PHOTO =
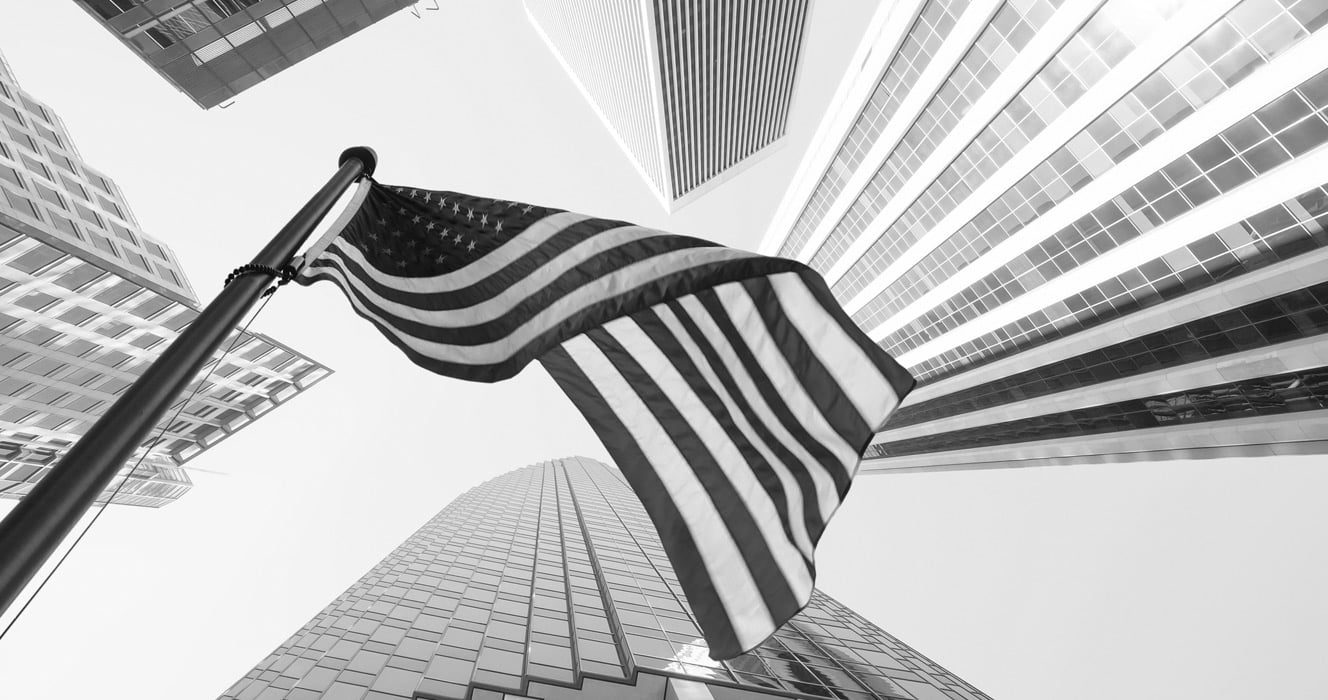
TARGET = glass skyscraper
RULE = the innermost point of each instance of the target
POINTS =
(1095, 231)
(549, 582)
(692, 92)
(214, 49)
(87, 301)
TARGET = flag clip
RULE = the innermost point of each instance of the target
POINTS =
(283, 275)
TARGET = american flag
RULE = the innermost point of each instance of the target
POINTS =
(730, 388)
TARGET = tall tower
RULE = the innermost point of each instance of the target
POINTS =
(692, 92)
(549, 582)
(1094, 230)
(215, 49)
(87, 301)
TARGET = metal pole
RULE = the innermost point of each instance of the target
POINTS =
(35, 527)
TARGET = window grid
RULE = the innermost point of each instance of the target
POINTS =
(1292, 392)
(1287, 128)
(553, 576)
(992, 53)
(1225, 54)
(1299, 314)
(1281, 232)
(924, 38)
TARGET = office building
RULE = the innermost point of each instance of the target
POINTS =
(87, 301)
(1094, 230)
(212, 50)
(550, 583)
(692, 92)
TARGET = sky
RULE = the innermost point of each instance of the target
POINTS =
(1199, 579)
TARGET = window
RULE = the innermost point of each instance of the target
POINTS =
(12, 113)
(22, 205)
(35, 166)
(66, 226)
(50, 195)
(110, 207)
(62, 161)
(73, 187)
(22, 138)
(104, 243)
(87, 214)
(10, 175)
(49, 134)
(123, 233)
(35, 108)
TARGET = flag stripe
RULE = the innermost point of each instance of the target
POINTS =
(724, 562)
(532, 272)
(782, 388)
(900, 380)
(822, 387)
(759, 492)
(684, 554)
(755, 445)
(853, 370)
(707, 333)
(735, 512)
(541, 309)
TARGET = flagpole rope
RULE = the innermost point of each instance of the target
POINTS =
(267, 296)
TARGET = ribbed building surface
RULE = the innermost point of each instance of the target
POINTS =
(1094, 229)
(690, 89)
(550, 583)
(214, 49)
(87, 301)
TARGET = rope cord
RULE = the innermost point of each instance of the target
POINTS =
(267, 296)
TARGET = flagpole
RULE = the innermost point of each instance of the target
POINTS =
(39, 523)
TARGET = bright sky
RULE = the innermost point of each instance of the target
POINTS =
(1172, 580)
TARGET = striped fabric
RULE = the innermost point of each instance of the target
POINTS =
(731, 389)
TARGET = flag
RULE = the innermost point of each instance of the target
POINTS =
(733, 392)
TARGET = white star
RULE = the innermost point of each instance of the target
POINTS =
(373, 236)
(396, 234)
(401, 263)
(498, 227)
(446, 232)
(457, 240)
(382, 222)
(413, 193)
(398, 190)
(430, 226)
(470, 214)
(428, 196)
(402, 210)
(526, 209)
(415, 220)
(471, 246)
(484, 220)
(511, 204)
(440, 258)
(455, 207)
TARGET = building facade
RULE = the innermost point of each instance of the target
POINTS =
(212, 50)
(87, 301)
(691, 92)
(550, 583)
(1095, 230)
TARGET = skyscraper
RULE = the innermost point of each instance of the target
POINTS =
(212, 50)
(87, 300)
(549, 582)
(691, 92)
(1094, 230)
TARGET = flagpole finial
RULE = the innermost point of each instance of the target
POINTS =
(364, 154)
